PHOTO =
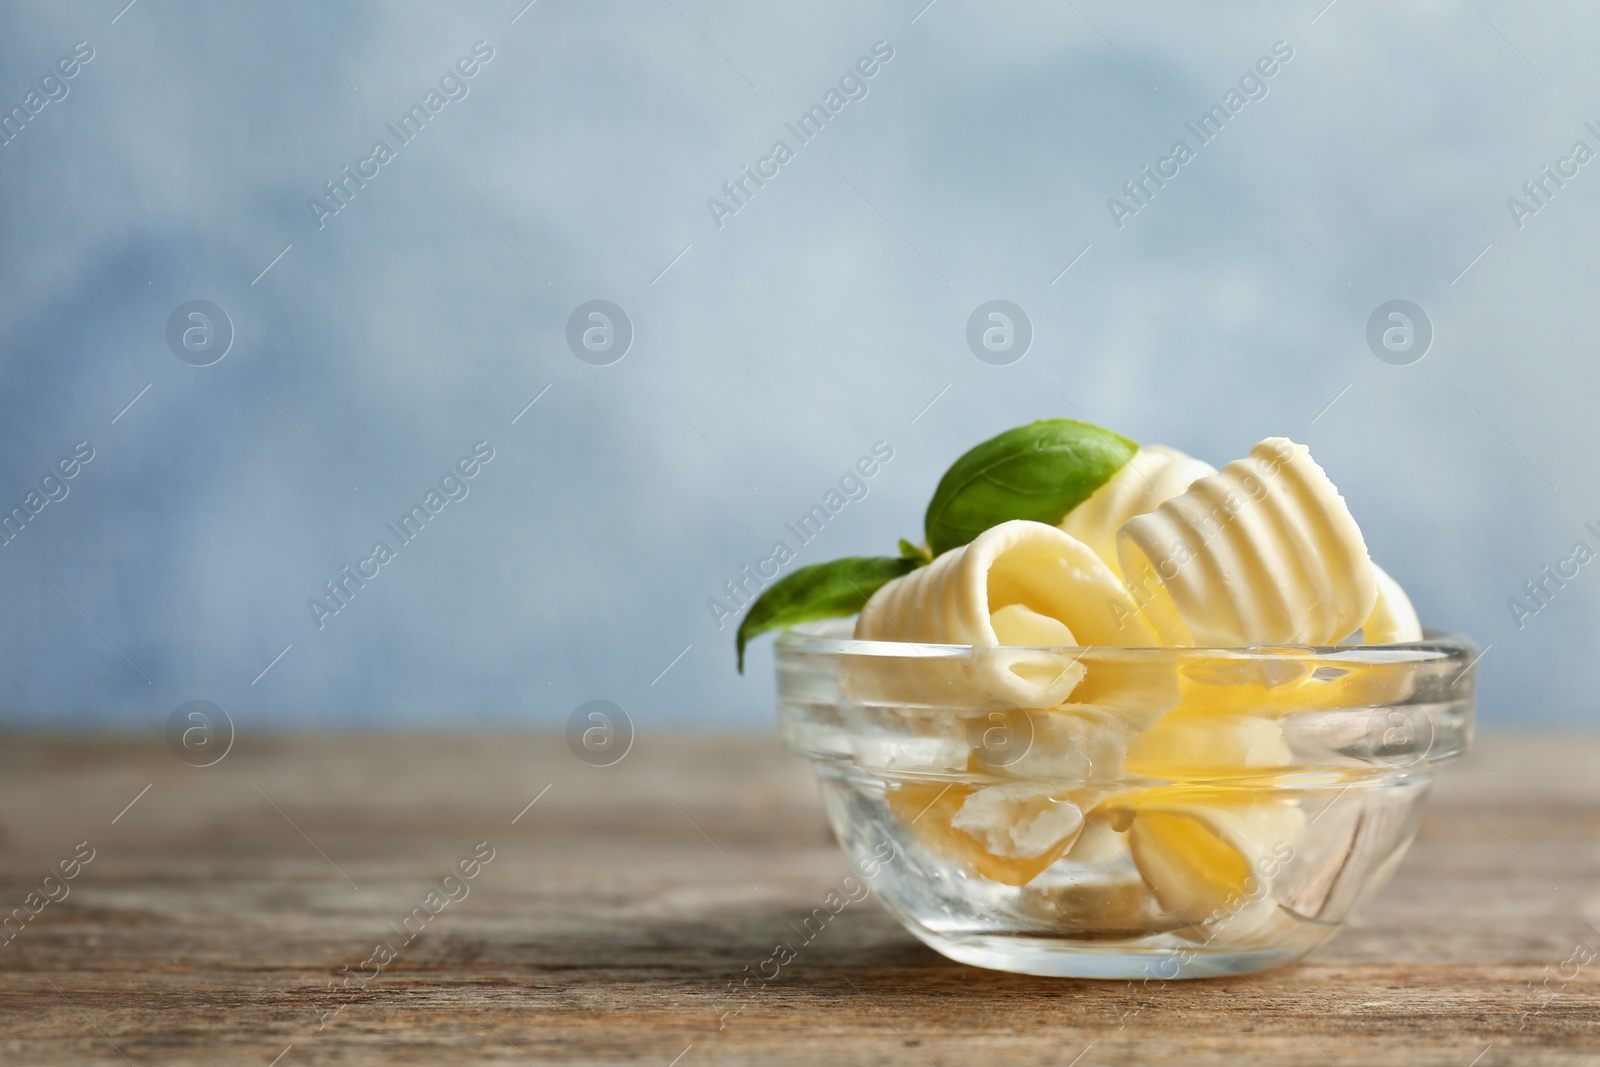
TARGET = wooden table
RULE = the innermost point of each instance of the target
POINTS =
(219, 912)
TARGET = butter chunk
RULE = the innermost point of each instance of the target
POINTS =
(1153, 476)
(1196, 740)
(1039, 583)
(928, 810)
(1393, 618)
(1207, 855)
(1018, 624)
(1019, 821)
(1264, 552)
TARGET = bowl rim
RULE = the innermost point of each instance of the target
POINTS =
(815, 638)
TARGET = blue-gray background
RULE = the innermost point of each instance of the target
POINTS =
(821, 318)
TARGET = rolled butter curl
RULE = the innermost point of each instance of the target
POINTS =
(1264, 552)
(1153, 476)
(1032, 580)
(1393, 619)
(1207, 854)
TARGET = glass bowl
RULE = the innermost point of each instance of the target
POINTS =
(1188, 812)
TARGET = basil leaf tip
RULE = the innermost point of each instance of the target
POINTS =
(918, 554)
(831, 590)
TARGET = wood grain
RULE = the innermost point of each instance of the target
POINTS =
(219, 909)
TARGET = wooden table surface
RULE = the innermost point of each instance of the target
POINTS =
(230, 915)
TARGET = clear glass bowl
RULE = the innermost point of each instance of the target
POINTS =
(1187, 813)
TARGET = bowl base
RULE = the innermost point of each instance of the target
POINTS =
(1156, 960)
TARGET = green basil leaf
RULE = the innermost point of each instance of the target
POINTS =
(1040, 471)
(821, 591)
(916, 553)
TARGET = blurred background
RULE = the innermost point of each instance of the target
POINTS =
(258, 341)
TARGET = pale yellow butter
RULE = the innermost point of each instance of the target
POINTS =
(1264, 552)
(1153, 476)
